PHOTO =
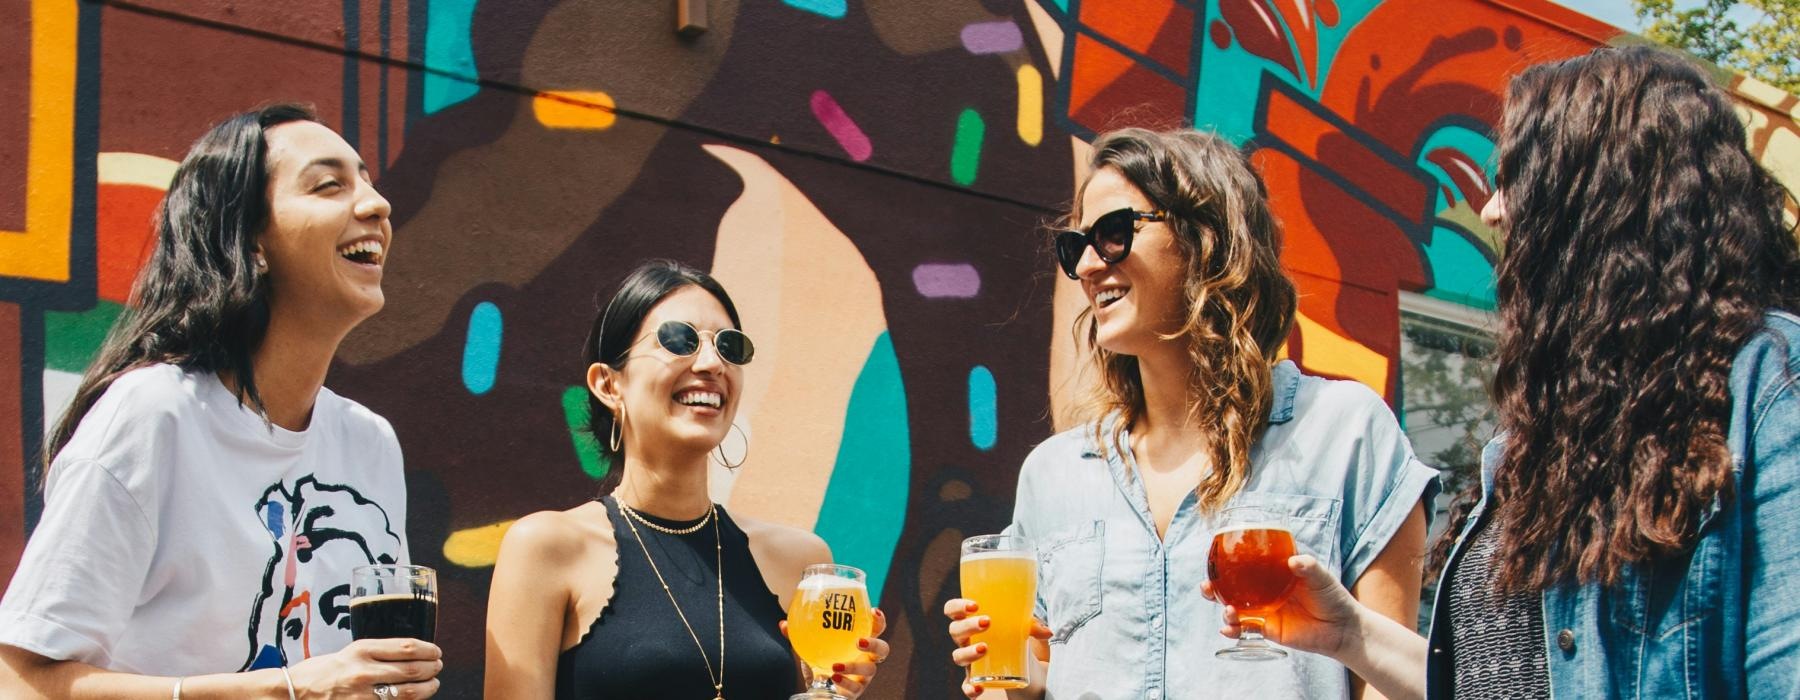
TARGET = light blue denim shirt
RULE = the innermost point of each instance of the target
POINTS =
(1125, 605)
(1720, 622)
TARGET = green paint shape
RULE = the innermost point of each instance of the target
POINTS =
(965, 158)
(450, 53)
(71, 339)
(587, 447)
(865, 502)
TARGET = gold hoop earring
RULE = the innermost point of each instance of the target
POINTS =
(720, 450)
(615, 436)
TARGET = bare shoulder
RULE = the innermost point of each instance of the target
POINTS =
(555, 537)
(789, 541)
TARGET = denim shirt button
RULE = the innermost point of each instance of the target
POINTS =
(1565, 640)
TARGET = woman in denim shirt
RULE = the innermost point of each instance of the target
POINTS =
(1188, 305)
(1635, 534)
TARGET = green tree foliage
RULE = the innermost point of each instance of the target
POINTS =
(1767, 47)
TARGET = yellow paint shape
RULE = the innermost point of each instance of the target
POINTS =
(570, 109)
(814, 307)
(1328, 352)
(41, 251)
(1050, 34)
(139, 169)
(476, 547)
(1765, 94)
(1031, 105)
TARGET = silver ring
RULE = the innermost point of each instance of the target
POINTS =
(383, 690)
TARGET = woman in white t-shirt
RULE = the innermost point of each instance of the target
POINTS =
(206, 496)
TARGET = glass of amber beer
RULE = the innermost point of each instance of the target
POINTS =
(1248, 567)
(999, 573)
(828, 615)
(393, 601)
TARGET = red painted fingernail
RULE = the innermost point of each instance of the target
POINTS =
(837, 667)
(973, 607)
(982, 647)
(985, 622)
(837, 677)
(862, 643)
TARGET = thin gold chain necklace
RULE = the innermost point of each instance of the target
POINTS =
(718, 681)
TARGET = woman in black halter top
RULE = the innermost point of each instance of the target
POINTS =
(650, 590)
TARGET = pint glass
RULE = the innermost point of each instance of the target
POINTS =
(827, 616)
(999, 573)
(393, 601)
(1249, 571)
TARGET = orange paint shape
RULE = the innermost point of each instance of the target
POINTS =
(1158, 29)
(571, 109)
(41, 251)
(124, 236)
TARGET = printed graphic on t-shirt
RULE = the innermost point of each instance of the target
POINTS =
(319, 531)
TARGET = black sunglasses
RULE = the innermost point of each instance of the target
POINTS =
(1110, 237)
(683, 340)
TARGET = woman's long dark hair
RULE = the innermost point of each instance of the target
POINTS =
(1643, 245)
(620, 321)
(199, 303)
(1239, 304)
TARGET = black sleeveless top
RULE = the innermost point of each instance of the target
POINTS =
(638, 647)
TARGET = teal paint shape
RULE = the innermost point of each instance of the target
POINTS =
(865, 502)
(965, 156)
(587, 447)
(829, 8)
(72, 339)
(481, 348)
(1230, 79)
(984, 425)
(1459, 272)
(449, 54)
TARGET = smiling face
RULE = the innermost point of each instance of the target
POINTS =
(1140, 297)
(674, 402)
(328, 232)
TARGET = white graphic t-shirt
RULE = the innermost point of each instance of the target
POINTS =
(183, 535)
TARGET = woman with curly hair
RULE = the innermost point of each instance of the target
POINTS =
(1635, 533)
(1178, 258)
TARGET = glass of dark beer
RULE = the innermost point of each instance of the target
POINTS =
(1248, 567)
(393, 601)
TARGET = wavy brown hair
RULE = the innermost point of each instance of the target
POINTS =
(1643, 245)
(1239, 303)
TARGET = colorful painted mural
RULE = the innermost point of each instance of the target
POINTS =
(868, 177)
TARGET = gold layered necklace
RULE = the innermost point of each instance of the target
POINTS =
(632, 519)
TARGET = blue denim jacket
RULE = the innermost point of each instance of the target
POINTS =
(1721, 622)
(1125, 605)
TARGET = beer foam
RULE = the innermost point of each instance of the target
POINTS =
(1254, 526)
(365, 600)
(829, 582)
(979, 556)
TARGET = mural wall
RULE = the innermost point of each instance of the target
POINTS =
(868, 177)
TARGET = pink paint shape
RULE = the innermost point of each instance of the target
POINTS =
(947, 280)
(841, 127)
(992, 37)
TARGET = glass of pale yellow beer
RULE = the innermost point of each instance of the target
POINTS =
(828, 615)
(999, 573)
(1249, 571)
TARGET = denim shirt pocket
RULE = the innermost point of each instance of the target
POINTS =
(1069, 569)
(1312, 519)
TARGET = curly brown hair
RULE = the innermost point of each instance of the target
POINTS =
(1644, 244)
(1239, 303)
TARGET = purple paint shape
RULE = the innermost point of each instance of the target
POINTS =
(992, 37)
(947, 280)
(841, 127)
